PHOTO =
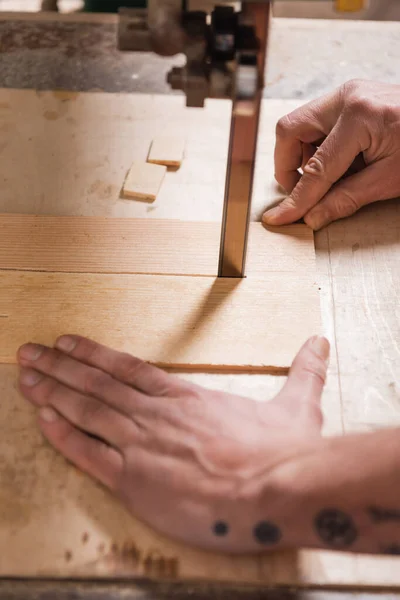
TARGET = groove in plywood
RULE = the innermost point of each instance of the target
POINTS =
(117, 245)
(166, 320)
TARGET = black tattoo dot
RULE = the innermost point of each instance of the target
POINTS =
(267, 533)
(335, 528)
(220, 528)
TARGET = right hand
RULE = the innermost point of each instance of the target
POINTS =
(353, 131)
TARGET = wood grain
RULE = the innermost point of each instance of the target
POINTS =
(167, 151)
(176, 321)
(143, 181)
(115, 245)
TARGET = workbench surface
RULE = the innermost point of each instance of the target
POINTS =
(357, 259)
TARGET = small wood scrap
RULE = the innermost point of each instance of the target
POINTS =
(167, 151)
(143, 181)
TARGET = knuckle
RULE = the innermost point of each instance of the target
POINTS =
(358, 101)
(352, 85)
(315, 166)
(313, 367)
(316, 370)
(95, 381)
(291, 202)
(128, 367)
(345, 203)
(315, 413)
(359, 105)
(283, 126)
(48, 391)
(86, 348)
(90, 411)
(53, 360)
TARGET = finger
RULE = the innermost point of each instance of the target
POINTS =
(87, 413)
(308, 372)
(378, 181)
(305, 125)
(330, 162)
(81, 377)
(122, 366)
(90, 455)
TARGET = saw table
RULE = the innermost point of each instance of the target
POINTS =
(357, 261)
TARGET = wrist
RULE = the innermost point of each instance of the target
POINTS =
(346, 493)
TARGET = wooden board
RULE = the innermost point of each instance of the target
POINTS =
(104, 245)
(143, 181)
(167, 151)
(68, 172)
(176, 321)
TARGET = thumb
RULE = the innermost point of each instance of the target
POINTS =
(306, 380)
(378, 181)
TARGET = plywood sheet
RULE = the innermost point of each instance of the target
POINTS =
(115, 245)
(176, 321)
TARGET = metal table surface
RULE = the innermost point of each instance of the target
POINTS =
(78, 52)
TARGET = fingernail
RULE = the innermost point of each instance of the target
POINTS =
(270, 215)
(30, 351)
(65, 343)
(29, 377)
(48, 414)
(320, 345)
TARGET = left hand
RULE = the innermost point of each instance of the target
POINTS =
(199, 465)
(348, 146)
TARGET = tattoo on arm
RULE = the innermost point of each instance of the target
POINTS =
(264, 532)
(383, 515)
(267, 533)
(335, 528)
(220, 528)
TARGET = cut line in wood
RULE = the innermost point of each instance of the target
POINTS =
(165, 247)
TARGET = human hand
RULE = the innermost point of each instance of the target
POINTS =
(199, 465)
(354, 131)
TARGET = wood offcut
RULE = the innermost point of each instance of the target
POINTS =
(143, 181)
(167, 151)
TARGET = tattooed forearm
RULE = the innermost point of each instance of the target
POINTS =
(335, 528)
(382, 515)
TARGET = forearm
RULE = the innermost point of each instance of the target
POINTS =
(346, 494)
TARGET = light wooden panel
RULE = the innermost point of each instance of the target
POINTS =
(167, 151)
(115, 245)
(143, 181)
(177, 321)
